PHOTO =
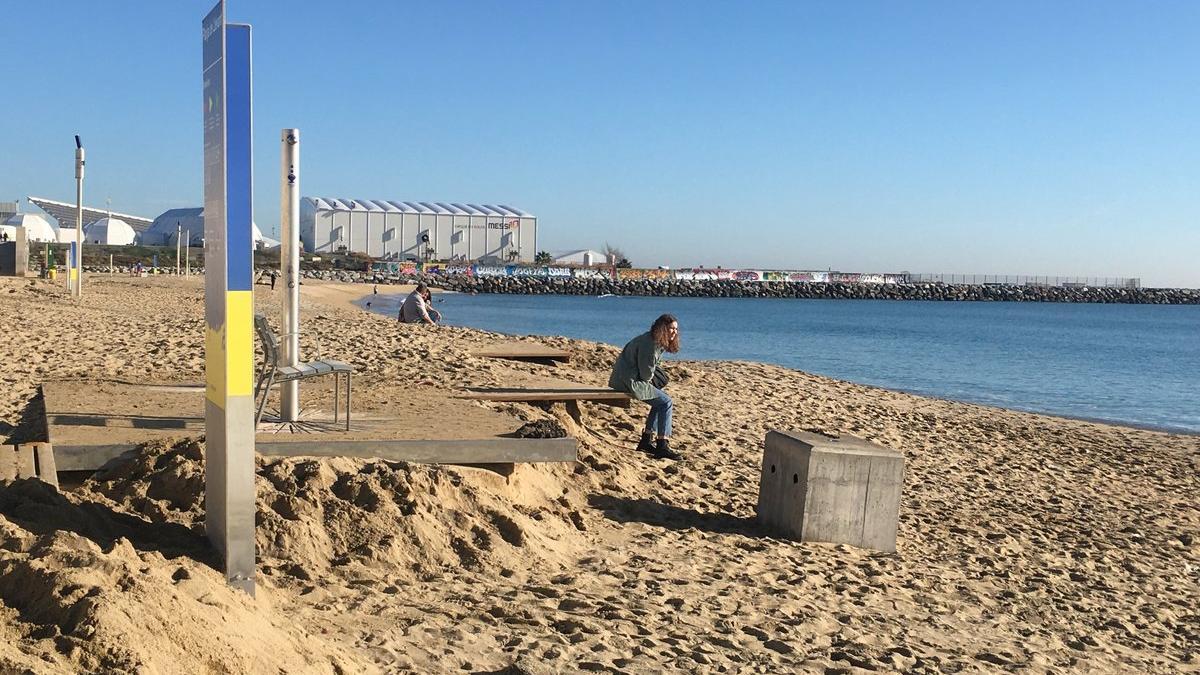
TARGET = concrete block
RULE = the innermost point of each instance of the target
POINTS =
(841, 490)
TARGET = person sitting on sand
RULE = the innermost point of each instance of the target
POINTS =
(634, 374)
(417, 307)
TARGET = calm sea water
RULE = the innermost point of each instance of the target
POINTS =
(1134, 364)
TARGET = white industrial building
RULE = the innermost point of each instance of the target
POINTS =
(418, 230)
(586, 257)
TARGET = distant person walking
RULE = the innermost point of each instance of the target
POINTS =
(416, 308)
(637, 372)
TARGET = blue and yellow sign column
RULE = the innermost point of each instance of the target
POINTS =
(71, 272)
(228, 297)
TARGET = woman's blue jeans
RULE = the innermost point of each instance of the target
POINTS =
(659, 420)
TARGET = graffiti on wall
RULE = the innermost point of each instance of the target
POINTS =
(392, 268)
(633, 274)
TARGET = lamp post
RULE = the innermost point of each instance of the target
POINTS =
(178, 232)
(77, 287)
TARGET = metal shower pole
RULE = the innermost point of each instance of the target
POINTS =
(289, 261)
(77, 287)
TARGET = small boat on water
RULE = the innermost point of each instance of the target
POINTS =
(608, 295)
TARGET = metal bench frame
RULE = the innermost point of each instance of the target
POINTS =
(273, 371)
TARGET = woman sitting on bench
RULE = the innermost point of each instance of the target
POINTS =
(637, 372)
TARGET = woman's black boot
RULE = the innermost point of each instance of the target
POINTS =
(647, 442)
(663, 450)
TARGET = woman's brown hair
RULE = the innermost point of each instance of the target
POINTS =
(659, 329)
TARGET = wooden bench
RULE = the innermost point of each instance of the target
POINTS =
(274, 371)
(569, 396)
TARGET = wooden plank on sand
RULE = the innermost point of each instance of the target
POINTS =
(548, 395)
(47, 469)
(8, 462)
(25, 464)
(523, 351)
(473, 451)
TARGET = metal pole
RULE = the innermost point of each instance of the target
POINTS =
(110, 261)
(187, 250)
(178, 232)
(77, 289)
(289, 261)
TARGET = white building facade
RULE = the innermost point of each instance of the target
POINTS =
(418, 230)
(586, 257)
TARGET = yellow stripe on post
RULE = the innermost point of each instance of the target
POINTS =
(239, 343)
(214, 366)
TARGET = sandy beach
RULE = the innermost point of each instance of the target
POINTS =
(1026, 542)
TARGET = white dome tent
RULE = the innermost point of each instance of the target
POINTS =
(109, 231)
(36, 227)
(167, 227)
(169, 224)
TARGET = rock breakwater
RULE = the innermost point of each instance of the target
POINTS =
(839, 291)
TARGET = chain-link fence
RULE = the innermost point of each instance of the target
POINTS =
(1025, 280)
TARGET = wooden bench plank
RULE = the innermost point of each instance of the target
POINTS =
(8, 462)
(43, 455)
(473, 451)
(25, 464)
(523, 351)
(548, 395)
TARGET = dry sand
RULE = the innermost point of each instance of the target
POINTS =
(1026, 541)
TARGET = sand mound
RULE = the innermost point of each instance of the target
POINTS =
(392, 518)
(119, 575)
(94, 592)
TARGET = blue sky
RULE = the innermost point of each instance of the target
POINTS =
(977, 137)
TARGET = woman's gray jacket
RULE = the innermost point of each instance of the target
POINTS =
(635, 367)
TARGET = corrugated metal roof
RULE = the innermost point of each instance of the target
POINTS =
(64, 213)
(425, 208)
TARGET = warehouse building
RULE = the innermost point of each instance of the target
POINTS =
(418, 230)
